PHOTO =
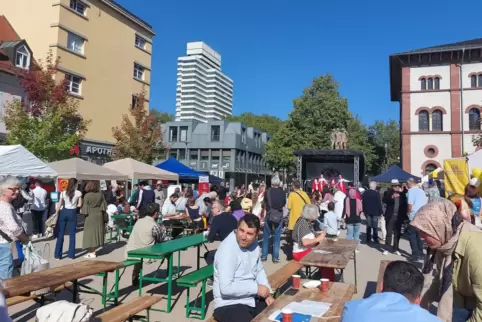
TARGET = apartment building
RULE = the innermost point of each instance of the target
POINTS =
(105, 54)
(230, 150)
(439, 90)
(203, 92)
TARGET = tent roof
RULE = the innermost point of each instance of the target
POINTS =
(173, 165)
(137, 170)
(84, 170)
(17, 161)
(394, 172)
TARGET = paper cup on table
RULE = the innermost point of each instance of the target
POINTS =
(286, 315)
(296, 281)
(325, 283)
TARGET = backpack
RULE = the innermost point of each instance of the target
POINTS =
(274, 216)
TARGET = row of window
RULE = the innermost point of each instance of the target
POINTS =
(429, 83)
(173, 133)
(476, 81)
(80, 7)
(437, 120)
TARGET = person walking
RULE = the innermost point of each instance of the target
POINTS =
(70, 200)
(146, 196)
(352, 212)
(10, 225)
(395, 215)
(159, 195)
(275, 203)
(372, 208)
(416, 200)
(94, 209)
(38, 208)
(297, 199)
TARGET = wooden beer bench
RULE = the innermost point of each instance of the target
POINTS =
(129, 310)
(37, 298)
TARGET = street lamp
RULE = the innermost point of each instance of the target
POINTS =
(246, 167)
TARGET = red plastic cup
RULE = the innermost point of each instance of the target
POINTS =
(286, 315)
(296, 281)
(325, 285)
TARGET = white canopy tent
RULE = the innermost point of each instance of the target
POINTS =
(137, 170)
(84, 170)
(17, 161)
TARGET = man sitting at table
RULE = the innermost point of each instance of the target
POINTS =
(399, 301)
(241, 289)
(146, 232)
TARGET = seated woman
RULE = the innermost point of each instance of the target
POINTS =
(304, 238)
(192, 210)
(456, 283)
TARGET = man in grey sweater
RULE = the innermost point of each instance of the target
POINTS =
(241, 288)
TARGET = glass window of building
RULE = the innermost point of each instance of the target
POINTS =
(215, 133)
(173, 133)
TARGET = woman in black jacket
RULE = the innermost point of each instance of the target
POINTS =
(395, 215)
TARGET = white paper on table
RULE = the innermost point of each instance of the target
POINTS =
(316, 311)
(321, 251)
(273, 316)
(322, 306)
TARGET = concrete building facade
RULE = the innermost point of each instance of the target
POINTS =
(203, 91)
(105, 53)
(230, 150)
(439, 90)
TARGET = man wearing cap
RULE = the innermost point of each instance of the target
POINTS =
(395, 215)
(416, 200)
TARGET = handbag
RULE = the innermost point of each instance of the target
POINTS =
(34, 262)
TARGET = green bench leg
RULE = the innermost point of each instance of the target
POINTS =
(195, 308)
(188, 308)
(203, 300)
(104, 290)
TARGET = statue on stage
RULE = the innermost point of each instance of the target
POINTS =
(339, 139)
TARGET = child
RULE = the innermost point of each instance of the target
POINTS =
(331, 221)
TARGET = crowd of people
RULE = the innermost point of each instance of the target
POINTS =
(449, 228)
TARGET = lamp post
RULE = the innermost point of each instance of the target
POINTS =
(246, 167)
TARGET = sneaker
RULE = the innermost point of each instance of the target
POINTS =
(386, 253)
(90, 255)
(398, 253)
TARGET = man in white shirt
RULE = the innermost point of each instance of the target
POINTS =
(339, 200)
(38, 208)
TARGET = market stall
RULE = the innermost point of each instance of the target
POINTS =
(136, 170)
(15, 160)
(85, 170)
(394, 172)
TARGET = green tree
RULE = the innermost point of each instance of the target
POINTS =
(139, 136)
(161, 117)
(385, 138)
(315, 115)
(358, 139)
(266, 123)
(47, 122)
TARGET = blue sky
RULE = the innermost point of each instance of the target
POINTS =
(273, 49)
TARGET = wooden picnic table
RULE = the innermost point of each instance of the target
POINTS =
(337, 295)
(166, 250)
(58, 275)
(341, 252)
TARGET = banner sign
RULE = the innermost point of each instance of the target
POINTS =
(63, 183)
(456, 176)
(203, 185)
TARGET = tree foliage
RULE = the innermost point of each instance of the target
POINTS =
(47, 122)
(161, 117)
(139, 136)
(315, 115)
(358, 139)
(266, 123)
(384, 134)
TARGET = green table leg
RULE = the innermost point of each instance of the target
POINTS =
(141, 277)
(169, 282)
(198, 256)
(104, 289)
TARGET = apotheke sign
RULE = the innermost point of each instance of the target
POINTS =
(89, 149)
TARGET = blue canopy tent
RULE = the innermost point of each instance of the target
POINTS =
(394, 172)
(184, 172)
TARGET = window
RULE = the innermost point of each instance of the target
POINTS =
(138, 72)
(437, 124)
(474, 119)
(173, 153)
(215, 133)
(423, 84)
(140, 42)
(77, 6)
(480, 81)
(430, 83)
(243, 135)
(193, 155)
(429, 168)
(73, 84)
(182, 154)
(436, 84)
(173, 134)
(473, 81)
(183, 134)
(423, 121)
(22, 58)
(431, 152)
(135, 100)
(75, 43)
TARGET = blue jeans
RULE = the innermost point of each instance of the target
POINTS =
(372, 225)
(416, 243)
(66, 217)
(276, 231)
(6, 261)
(353, 232)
